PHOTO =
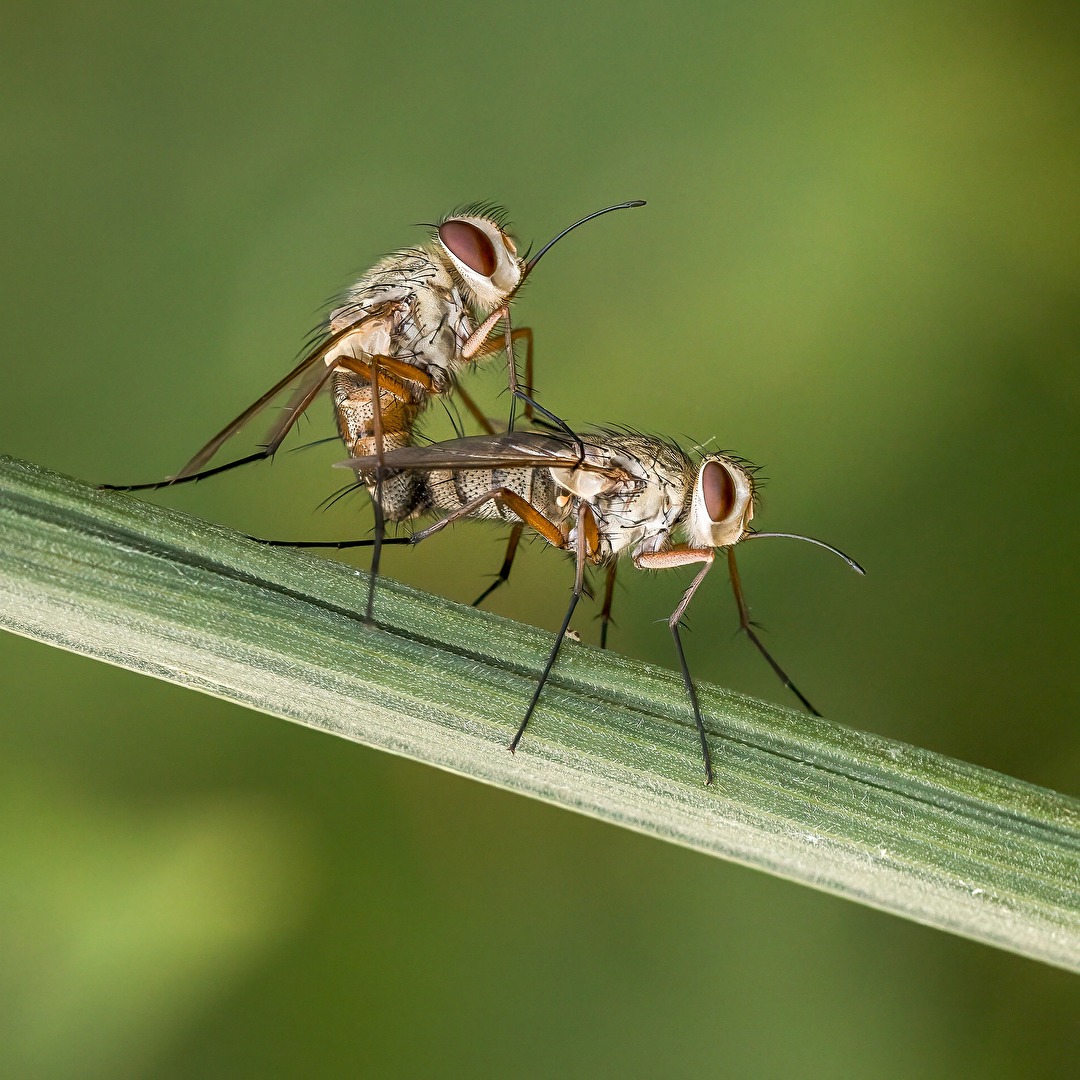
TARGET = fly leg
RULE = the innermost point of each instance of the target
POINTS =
(505, 497)
(384, 374)
(337, 545)
(259, 455)
(480, 344)
(508, 561)
(609, 596)
(528, 514)
(748, 628)
(584, 520)
(471, 350)
(662, 560)
(193, 471)
(376, 499)
(493, 345)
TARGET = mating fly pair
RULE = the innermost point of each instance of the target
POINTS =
(407, 329)
(600, 496)
(409, 326)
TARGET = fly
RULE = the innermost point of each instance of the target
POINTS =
(408, 326)
(616, 494)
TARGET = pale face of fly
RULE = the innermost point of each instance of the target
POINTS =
(722, 503)
(484, 257)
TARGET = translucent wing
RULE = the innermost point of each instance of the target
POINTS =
(506, 450)
(307, 379)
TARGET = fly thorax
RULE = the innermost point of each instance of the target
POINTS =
(438, 326)
(641, 515)
(602, 472)
(407, 307)
(627, 520)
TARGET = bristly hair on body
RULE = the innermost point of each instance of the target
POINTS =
(493, 211)
(624, 430)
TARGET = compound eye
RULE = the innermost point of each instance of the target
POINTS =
(718, 490)
(468, 244)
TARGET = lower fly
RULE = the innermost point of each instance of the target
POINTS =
(606, 495)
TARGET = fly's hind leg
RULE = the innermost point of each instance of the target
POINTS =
(382, 374)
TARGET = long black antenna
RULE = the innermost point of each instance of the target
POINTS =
(595, 214)
(809, 540)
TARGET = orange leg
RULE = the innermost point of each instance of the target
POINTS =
(584, 515)
(685, 556)
(366, 370)
(495, 344)
(478, 414)
(524, 510)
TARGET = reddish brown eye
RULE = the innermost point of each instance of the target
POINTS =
(468, 244)
(718, 489)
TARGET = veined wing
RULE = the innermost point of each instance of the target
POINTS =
(306, 380)
(506, 450)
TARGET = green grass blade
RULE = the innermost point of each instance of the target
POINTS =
(935, 840)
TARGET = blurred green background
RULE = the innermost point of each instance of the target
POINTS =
(859, 266)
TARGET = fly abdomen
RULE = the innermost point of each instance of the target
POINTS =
(354, 404)
(450, 490)
(401, 493)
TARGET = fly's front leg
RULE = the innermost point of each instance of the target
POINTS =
(493, 344)
(663, 560)
(478, 338)
(747, 628)
(515, 535)
(532, 406)
(511, 367)
(526, 333)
